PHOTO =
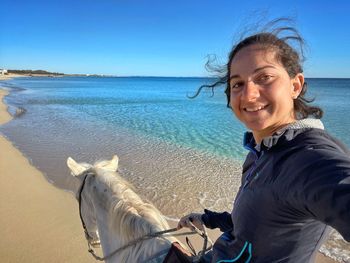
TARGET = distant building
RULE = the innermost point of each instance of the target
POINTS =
(3, 71)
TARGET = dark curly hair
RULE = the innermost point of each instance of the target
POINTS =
(284, 53)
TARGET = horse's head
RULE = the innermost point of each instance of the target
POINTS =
(108, 203)
(86, 174)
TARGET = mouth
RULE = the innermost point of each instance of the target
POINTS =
(255, 108)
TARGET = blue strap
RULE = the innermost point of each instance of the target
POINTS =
(240, 254)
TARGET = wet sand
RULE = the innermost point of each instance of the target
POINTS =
(40, 223)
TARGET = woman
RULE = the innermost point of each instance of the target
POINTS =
(296, 177)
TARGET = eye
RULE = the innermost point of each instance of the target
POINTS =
(265, 78)
(236, 85)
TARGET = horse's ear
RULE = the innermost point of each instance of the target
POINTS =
(112, 165)
(76, 168)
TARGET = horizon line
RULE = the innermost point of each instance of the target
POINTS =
(138, 76)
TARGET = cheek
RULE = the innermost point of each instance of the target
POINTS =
(280, 96)
(232, 99)
(286, 96)
(234, 103)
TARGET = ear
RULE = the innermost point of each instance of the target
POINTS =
(297, 83)
(111, 165)
(75, 168)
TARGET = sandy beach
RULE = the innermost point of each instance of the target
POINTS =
(4, 77)
(10, 76)
(40, 223)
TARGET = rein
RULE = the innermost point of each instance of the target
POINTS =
(87, 236)
(197, 258)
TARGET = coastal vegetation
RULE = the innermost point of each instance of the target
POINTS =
(33, 72)
(44, 73)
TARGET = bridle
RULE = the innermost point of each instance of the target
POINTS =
(87, 235)
(89, 238)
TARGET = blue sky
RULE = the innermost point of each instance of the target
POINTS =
(159, 38)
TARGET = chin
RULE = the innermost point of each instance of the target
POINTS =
(256, 127)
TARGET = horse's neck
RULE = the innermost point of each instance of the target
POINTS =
(111, 241)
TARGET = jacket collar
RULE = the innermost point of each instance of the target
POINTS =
(288, 132)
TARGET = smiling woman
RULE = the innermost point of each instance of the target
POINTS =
(261, 91)
(294, 172)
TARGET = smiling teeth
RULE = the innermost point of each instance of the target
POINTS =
(254, 109)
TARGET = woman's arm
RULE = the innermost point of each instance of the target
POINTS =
(212, 220)
(327, 193)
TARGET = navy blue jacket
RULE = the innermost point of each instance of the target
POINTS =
(294, 187)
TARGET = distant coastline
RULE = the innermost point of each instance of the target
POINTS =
(12, 73)
(43, 73)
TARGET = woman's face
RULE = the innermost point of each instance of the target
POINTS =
(261, 91)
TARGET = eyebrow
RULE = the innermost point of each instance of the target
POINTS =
(256, 70)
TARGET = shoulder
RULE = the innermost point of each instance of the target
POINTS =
(311, 142)
(316, 148)
(319, 161)
(311, 159)
(320, 139)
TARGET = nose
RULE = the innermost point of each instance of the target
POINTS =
(250, 91)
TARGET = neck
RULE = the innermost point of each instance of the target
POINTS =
(112, 239)
(261, 134)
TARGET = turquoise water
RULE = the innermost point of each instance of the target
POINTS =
(155, 107)
(160, 108)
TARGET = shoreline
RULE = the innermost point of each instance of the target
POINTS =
(40, 222)
(48, 219)
(10, 76)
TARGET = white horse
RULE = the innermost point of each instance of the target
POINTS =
(114, 216)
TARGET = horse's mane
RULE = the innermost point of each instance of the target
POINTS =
(130, 216)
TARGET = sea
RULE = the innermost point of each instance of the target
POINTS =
(183, 154)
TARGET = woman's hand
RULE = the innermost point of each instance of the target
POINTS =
(193, 219)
